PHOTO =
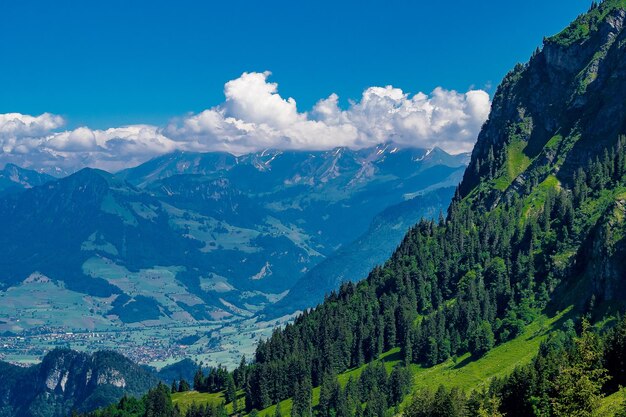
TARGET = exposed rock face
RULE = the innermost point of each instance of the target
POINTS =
(549, 119)
(573, 87)
(67, 380)
(111, 377)
(607, 252)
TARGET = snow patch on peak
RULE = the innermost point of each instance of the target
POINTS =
(421, 158)
(264, 272)
(35, 278)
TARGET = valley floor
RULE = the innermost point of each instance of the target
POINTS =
(212, 343)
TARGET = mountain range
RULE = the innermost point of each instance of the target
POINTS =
(14, 179)
(194, 237)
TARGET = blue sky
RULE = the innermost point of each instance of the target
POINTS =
(106, 63)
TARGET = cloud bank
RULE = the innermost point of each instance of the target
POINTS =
(253, 117)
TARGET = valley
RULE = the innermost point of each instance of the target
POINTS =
(212, 343)
(195, 245)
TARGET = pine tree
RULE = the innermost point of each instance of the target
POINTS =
(239, 374)
(302, 399)
(199, 381)
(616, 355)
(328, 392)
(158, 402)
(578, 386)
(231, 390)
(490, 407)
(481, 339)
(421, 405)
(183, 386)
(278, 412)
(235, 405)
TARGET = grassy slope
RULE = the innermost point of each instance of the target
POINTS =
(516, 163)
(470, 374)
(185, 399)
(584, 24)
(465, 373)
(611, 404)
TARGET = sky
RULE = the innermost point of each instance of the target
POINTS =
(111, 84)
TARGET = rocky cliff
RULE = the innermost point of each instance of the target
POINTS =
(558, 111)
(66, 380)
(552, 118)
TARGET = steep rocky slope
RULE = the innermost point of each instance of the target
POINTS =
(67, 380)
(557, 112)
(551, 119)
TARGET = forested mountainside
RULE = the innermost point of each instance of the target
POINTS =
(375, 245)
(196, 237)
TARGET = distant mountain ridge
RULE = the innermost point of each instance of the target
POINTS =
(214, 235)
(293, 167)
(375, 245)
(14, 178)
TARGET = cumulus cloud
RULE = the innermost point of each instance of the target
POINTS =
(67, 151)
(254, 116)
(16, 129)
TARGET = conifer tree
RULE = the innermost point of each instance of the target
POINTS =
(278, 412)
(183, 386)
(199, 381)
(578, 386)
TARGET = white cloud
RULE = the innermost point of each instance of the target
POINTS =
(253, 117)
(81, 139)
(17, 129)
(253, 99)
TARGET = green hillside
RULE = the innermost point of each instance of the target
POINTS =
(464, 372)
(184, 400)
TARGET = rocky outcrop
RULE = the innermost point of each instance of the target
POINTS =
(606, 253)
(67, 380)
(572, 87)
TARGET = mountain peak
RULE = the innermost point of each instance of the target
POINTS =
(14, 178)
(87, 174)
(599, 17)
(11, 166)
(558, 111)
